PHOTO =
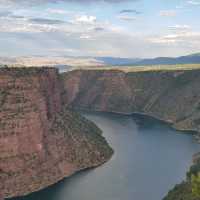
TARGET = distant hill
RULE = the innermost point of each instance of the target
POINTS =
(190, 59)
(117, 61)
(65, 63)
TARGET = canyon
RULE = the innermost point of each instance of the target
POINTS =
(41, 141)
(171, 95)
(42, 137)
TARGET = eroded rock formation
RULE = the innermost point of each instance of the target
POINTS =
(41, 142)
(170, 95)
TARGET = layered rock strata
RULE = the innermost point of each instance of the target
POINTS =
(41, 141)
(169, 95)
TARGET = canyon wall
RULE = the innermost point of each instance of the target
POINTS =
(41, 141)
(169, 95)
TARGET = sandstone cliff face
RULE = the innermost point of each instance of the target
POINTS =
(172, 96)
(40, 141)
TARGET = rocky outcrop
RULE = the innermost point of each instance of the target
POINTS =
(169, 95)
(41, 142)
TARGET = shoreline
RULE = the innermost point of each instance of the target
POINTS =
(167, 122)
(60, 180)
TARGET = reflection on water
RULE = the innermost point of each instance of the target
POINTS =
(149, 159)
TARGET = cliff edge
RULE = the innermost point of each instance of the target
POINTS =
(170, 95)
(41, 141)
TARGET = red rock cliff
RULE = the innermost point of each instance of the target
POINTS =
(170, 95)
(40, 141)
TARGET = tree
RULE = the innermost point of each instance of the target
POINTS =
(196, 185)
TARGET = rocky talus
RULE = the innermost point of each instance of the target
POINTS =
(41, 141)
(169, 95)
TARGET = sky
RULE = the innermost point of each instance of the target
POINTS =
(117, 28)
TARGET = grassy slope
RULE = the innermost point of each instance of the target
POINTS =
(146, 68)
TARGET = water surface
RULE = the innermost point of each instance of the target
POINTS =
(150, 158)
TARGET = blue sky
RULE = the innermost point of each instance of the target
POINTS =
(120, 28)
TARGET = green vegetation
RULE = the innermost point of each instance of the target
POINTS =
(189, 189)
(195, 182)
(89, 146)
(3, 96)
(147, 68)
(25, 71)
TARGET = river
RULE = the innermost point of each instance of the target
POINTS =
(149, 159)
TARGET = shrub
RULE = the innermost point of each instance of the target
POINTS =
(196, 185)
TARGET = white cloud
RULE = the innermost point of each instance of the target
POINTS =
(187, 38)
(84, 34)
(40, 2)
(193, 2)
(179, 27)
(126, 18)
(85, 19)
(24, 25)
(58, 11)
(166, 39)
(85, 37)
(168, 13)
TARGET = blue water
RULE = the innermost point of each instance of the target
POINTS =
(150, 158)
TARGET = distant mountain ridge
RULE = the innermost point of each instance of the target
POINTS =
(117, 60)
(189, 59)
(66, 62)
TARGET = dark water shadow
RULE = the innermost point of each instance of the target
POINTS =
(52, 192)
